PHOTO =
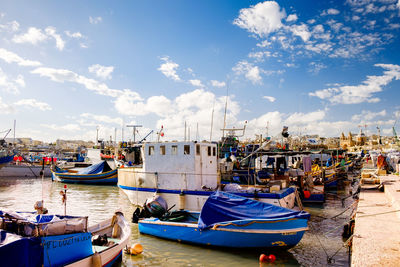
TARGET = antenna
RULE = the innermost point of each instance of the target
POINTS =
(134, 130)
(15, 122)
(97, 135)
(212, 120)
(197, 132)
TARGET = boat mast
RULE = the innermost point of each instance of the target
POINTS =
(15, 122)
(212, 120)
(226, 104)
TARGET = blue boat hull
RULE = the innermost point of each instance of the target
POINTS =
(236, 234)
(314, 198)
(107, 178)
(5, 160)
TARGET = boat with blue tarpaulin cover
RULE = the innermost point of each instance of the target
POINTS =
(229, 220)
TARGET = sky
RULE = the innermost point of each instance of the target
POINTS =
(77, 69)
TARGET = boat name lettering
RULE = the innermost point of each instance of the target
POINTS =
(53, 244)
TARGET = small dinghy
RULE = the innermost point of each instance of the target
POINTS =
(228, 220)
(100, 173)
(31, 239)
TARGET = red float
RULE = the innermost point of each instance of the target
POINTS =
(307, 194)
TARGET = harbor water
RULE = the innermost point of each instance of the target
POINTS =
(322, 245)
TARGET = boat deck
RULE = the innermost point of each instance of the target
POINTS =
(376, 240)
(101, 248)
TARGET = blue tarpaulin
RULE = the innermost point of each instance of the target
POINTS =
(96, 168)
(223, 207)
(6, 159)
(20, 251)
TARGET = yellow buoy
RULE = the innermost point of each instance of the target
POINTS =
(136, 249)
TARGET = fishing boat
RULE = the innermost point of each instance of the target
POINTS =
(100, 173)
(6, 156)
(30, 239)
(185, 174)
(228, 220)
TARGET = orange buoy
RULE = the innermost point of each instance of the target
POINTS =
(136, 249)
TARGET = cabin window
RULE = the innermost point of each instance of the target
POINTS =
(197, 149)
(151, 150)
(174, 150)
(186, 149)
(162, 150)
(214, 151)
(209, 151)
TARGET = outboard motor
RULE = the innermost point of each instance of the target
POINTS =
(156, 206)
(153, 207)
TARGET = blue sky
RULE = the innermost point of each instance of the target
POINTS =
(68, 68)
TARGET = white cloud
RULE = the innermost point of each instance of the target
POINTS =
(196, 82)
(299, 118)
(339, 39)
(95, 20)
(367, 115)
(301, 31)
(130, 103)
(102, 72)
(76, 35)
(169, 69)
(307, 123)
(274, 121)
(316, 67)
(12, 26)
(51, 31)
(217, 83)
(20, 80)
(5, 108)
(61, 128)
(330, 11)
(33, 103)
(250, 71)
(159, 105)
(62, 75)
(270, 98)
(11, 57)
(101, 118)
(33, 36)
(364, 92)
(10, 85)
(291, 17)
(261, 19)
(260, 55)
(193, 107)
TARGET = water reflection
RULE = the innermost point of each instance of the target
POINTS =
(100, 202)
